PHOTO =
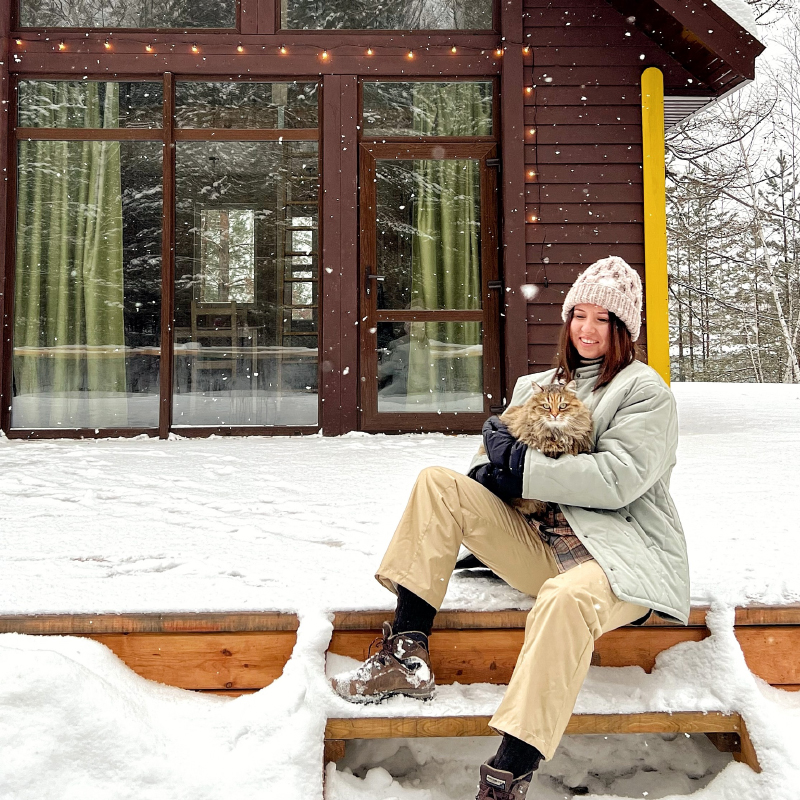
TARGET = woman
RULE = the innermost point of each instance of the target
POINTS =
(613, 552)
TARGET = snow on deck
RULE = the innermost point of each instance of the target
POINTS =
(227, 524)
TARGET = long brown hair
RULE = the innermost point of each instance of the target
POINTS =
(621, 352)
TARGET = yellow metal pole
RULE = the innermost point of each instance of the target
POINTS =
(655, 222)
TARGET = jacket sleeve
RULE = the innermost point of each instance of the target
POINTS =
(630, 456)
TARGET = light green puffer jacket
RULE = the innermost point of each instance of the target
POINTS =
(617, 498)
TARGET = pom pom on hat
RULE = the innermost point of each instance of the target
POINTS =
(613, 284)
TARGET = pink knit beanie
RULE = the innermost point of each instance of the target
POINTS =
(612, 284)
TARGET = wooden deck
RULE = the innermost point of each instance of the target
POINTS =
(233, 653)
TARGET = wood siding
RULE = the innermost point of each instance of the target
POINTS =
(583, 150)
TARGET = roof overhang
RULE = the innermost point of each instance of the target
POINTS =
(711, 46)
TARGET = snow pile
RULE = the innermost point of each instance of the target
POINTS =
(742, 12)
(227, 524)
(75, 722)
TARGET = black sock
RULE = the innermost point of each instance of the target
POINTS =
(413, 613)
(517, 757)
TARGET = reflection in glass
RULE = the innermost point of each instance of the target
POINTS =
(428, 234)
(87, 298)
(427, 108)
(128, 14)
(387, 14)
(90, 104)
(430, 367)
(242, 104)
(246, 284)
(227, 255)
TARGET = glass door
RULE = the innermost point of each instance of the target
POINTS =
(430, 295)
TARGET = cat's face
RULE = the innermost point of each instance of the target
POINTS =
(555, 405)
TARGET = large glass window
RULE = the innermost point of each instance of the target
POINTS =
(245, 105)
(90, 104)
(427, 108)
(247, 272)
(128, 13)
(387, 14)
(87, 298)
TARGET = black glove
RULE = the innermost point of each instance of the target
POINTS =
(503, 449)
(501, 483)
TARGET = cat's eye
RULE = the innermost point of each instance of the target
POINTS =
(562, 406)
(546, 406)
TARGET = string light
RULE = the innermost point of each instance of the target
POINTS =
(534, 218)
(531, 173)
(370, 51)
(532, 131)
(240, 49)
(107, 44)
(499, 51)
(19, 41)
(62, 46)
(149, 48)
(195, 48)
(526, 50)
(529, 90)
(454, 49)
(324, 55)
(411, 54)
(282, 50)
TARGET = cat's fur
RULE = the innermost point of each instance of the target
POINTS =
(554, 421)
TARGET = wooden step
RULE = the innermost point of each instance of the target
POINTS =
(338, 731)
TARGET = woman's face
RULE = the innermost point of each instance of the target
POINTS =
(590, 330)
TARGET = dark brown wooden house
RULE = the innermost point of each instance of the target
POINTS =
(252, 216)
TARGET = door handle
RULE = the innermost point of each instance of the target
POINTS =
(371, 277)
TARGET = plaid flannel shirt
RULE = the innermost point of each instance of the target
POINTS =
(555, 531)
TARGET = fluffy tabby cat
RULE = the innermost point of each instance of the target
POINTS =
(553, 421)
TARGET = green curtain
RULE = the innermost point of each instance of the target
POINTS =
(446, 244)
(69, 273)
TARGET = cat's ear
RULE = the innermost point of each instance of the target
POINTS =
(572, 386)
(536, 388)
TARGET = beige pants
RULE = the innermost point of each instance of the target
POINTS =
(572, 609)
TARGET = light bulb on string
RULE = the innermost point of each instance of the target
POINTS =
(239, 49)
(498, 52)
(282, 50)
(62, 46)
(529, 90)
(531, 173)
(532, 131)
(370, 51)
(324, 55)
(107, 44)
(453, 49)
(526, 50)
(149, 48)
(19, 41)
(410, 54)
(195, 48)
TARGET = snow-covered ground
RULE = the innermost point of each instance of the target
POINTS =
(299, 524)
(291, 523)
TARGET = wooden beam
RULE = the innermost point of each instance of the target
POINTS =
(655, 222)
(512, 180)
(6, 226)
